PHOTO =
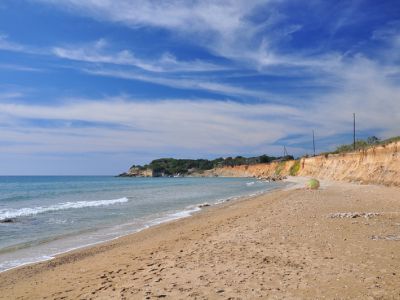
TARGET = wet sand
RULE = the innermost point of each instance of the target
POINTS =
(291, 244)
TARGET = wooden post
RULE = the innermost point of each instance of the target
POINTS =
(285, 153)
(354, 131)
(313, 141)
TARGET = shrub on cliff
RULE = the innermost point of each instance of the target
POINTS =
(365, 144)
(360, 144)
(279, 168)
(295, 168)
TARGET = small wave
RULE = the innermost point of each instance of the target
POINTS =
(29, 211)
(250, 183)
(8, 265)
(174, 216)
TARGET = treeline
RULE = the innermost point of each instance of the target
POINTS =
(172, 166)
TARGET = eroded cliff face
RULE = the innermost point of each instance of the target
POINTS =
(137, 172)
(376, 165)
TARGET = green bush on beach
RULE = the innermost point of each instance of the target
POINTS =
(313, 184)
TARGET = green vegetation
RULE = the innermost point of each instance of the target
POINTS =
(171, 166)
(360, 144)
(365, 144)
(389, 140)
(279, 167)
(295, 168)
(313, 184)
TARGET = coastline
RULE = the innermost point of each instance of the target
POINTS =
(109, 234)
(279, 244)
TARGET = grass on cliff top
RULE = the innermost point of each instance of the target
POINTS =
(390, 140)
(370, 142)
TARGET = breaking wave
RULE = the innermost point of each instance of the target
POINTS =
(30, 211)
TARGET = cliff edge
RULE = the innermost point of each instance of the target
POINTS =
(375, 165)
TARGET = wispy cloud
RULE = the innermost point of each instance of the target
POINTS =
(223, 26)
(199, 16)
(5, 44)
(8, 45)
(97, 53)
(167, 63)
(185, 83)
(21, 68)
(226, 28)
(10, 95)
(287, 74)
(207, 126)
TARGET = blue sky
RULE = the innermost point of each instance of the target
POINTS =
(93, 86)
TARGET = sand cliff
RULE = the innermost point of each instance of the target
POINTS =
(376, 165)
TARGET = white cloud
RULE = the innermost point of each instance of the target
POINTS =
(227, 29)
(359, 84)
(10, 95)
(201, 128)
(222, 26)
(8, 45)
(195, 16)
(166, 64)
(21, 68)
(5, 44)
(369, 92)
(96, 53)
(205, 126)
(185, 83)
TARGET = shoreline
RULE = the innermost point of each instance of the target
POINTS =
(186, 214)
(218, 205)
(281, 244)
(168, 217)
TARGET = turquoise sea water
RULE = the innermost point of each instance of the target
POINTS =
(55, 214)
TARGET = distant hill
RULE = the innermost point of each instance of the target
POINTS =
(183, 167)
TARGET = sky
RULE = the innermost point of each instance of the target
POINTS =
(90, 87)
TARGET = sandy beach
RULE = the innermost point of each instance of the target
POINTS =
(339, 242)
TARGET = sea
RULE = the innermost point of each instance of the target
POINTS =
(50, 215)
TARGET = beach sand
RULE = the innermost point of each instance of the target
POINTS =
(288, 244)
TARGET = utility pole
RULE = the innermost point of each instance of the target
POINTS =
(354, 131)
(284, 151)
(313, 141)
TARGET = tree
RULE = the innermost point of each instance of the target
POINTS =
(372, 140)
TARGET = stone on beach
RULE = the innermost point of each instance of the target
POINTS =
(354, 215)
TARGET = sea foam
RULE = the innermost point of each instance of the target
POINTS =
(30, 211)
